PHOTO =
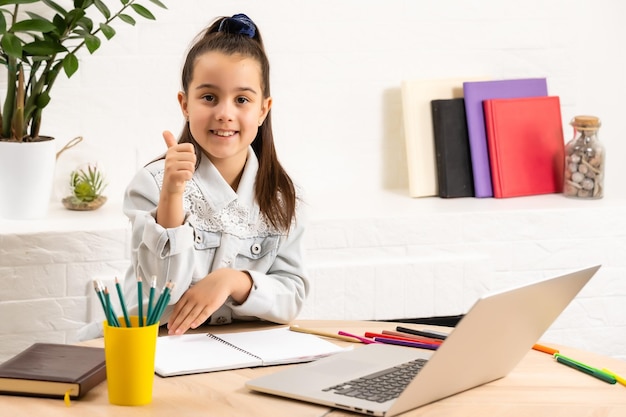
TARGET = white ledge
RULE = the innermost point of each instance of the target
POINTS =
(324, 206)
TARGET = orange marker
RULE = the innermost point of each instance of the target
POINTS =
(545, 349)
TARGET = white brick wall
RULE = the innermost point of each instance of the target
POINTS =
(382, 256)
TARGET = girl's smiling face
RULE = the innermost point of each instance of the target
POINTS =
(225, 107)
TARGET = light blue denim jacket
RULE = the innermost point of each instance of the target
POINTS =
(222, 228)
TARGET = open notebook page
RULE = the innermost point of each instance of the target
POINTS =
(199, 353)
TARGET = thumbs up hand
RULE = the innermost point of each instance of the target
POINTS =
(180, 163)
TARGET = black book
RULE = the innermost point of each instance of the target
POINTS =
(452, 151)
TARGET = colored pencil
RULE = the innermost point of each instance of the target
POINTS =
(109, 309)
(296, 328)
(120, 295)
(151, 297)
(140, 300)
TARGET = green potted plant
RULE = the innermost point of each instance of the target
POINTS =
(39, 40)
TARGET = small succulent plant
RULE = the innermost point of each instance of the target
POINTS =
(86, 186)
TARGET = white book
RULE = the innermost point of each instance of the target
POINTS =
(208, 352)
(418, 129)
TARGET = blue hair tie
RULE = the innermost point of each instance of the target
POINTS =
(238, 24)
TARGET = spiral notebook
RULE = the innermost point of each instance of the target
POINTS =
(208, 352)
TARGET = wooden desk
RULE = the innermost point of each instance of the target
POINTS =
(537, 387)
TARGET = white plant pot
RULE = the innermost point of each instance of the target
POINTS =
(26, 178)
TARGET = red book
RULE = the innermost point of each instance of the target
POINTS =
(526, 145)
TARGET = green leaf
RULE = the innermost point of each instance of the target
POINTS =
(158, 3)
(73, 17)
(85, 23)
(127, 19)
(43, 100)
(33, 25)
(60, 23)
(11, 45)
(124, 2)
(7, 2)
(107, 30)
(43, 48)
(93, 43)
(142, 11)
(70, 64)
(54, 6)
(103, 8)
(3, 24)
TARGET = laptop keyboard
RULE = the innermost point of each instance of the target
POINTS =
(380, 386)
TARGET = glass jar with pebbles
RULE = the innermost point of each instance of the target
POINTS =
(584, 160)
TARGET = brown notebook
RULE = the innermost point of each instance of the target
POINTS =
(52, 370)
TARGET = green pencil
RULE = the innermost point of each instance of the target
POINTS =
(109, 309)
(151, 297)
(122, 303)
(97, 287)
(140, 300)
(160, 305)
(166, 300)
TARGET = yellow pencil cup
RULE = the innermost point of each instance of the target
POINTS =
(129, 354)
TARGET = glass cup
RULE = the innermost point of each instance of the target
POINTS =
(129, 353)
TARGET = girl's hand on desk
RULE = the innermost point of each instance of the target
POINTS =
(206, 296)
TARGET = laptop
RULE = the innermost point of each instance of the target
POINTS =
(488, 342)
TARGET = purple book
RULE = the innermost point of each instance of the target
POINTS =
(475, 92)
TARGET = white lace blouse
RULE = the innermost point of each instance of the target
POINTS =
(222, 228)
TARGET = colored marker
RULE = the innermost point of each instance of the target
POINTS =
(585, 368)
(422, 339)
(365, 340)
(545, 349)
(618, 378)
(407, 343)
(405, 338)
(425, 333)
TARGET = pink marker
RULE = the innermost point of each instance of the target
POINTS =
(365, 340)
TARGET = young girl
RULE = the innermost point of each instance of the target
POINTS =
(217, 215)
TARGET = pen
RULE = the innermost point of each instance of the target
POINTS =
(365, 340)
(545, 349)
(414, 344)
(585, 368)
(618, 378)
(296, 328)
(427, 333)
